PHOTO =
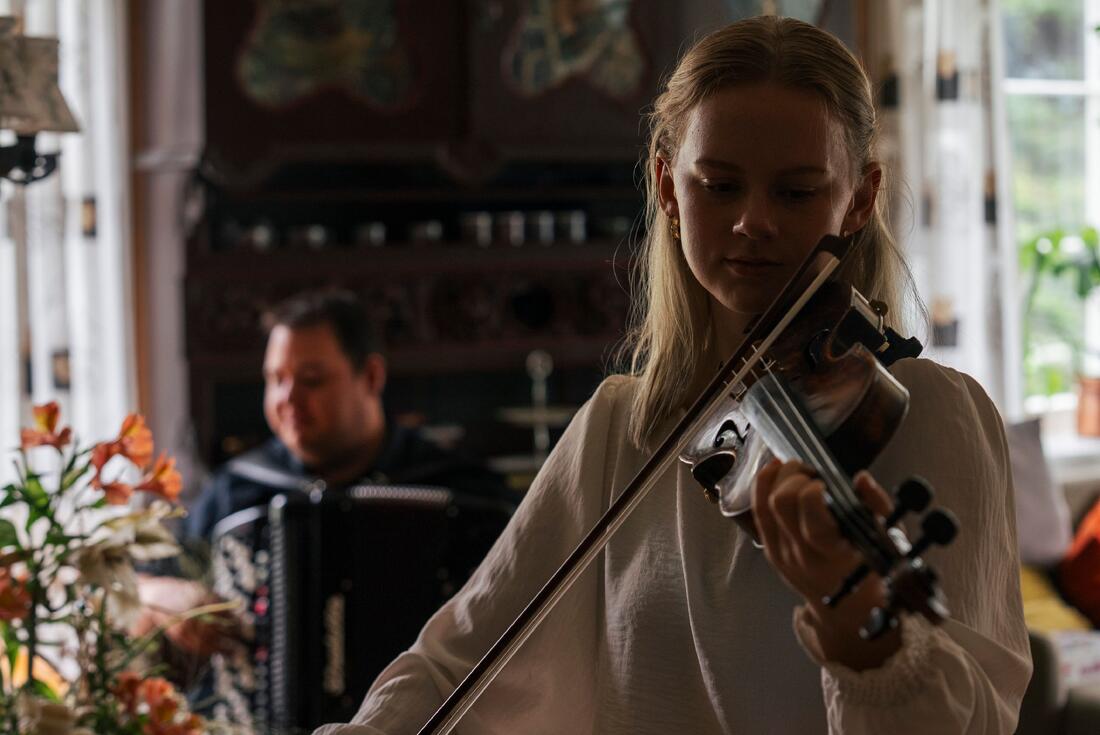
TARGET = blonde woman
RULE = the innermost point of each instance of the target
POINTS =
(760, 145)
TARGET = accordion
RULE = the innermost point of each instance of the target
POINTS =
(332, 587)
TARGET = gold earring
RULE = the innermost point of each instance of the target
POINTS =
(674, 227)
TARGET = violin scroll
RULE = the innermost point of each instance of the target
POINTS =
(911, 585)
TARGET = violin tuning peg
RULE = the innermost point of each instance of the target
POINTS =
(912, 496)
(847, 586)
(939, 528)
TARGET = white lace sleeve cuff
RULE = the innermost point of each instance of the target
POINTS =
(902, 676)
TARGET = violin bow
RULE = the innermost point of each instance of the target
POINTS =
(814, 271)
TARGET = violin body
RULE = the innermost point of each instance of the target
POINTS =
(827, 361)
(819, 393)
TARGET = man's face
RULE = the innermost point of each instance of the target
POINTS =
(315, 400)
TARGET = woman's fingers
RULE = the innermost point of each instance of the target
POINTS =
(793, 516)
(815, 522)
(871, 494)
(762, 488)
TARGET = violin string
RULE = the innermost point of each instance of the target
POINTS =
(798, 427)
(799, 431)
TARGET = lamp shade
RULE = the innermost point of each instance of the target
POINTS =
(13, 109)
(30, 98)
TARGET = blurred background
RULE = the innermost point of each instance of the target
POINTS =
(170, 169)
(470, 168)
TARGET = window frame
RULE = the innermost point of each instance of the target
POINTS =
(1087, 88)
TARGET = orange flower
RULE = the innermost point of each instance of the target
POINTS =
(191, 725)
(135, 440)
(15, 598)
(127, 690)
(165, 714)
(135, 443)
(116, 493)
(45, 431)
(101, 453)
(163, 480)
(156, 692)
(160, 704)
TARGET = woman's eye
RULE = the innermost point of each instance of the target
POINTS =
(719, 187)
(797, 195)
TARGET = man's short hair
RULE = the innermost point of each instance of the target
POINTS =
(340, 310)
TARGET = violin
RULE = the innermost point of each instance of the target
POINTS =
(809, 383)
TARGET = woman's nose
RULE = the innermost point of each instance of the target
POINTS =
(757, 219)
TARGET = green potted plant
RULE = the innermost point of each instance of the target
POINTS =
(1070, 258)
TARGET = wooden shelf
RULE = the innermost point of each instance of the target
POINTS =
(403, 258)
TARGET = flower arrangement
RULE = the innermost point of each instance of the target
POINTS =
(69, 541)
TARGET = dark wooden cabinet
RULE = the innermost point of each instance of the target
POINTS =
(298, 81)
(324, 115)
(483, 210)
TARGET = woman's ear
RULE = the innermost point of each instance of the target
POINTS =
(666, 186)
(863, 199)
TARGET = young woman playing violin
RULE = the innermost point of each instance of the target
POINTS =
(760, 146)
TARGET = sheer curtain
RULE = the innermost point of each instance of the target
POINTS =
(935, 62)
(66, 304)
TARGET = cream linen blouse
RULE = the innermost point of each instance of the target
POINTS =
(683, 627)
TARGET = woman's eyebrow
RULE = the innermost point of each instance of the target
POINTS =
(716, 163)
(734, 168)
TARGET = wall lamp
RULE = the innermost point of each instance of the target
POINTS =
(30, 102)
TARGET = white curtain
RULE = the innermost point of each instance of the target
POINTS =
(66, 286)
(937, 62)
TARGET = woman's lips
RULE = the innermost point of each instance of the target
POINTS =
(749, 267)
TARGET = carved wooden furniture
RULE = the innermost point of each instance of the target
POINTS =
(467, 167)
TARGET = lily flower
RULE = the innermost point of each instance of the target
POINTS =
(163, 480)
(108, 561)
(45, 431)
(159, 703)
(126, 689)
(116, 493)
(134, 442)
(107, 565)
(143, 533)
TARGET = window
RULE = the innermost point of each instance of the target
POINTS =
(1052, 105)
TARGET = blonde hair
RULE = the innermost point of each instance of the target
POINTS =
(670, 330)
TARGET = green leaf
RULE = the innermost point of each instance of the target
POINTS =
(1084, 283)
(58, 537)
(72, 472)
(42, 689)
(1091, 237)
(34, 492)
(11, 643)
(8, 535)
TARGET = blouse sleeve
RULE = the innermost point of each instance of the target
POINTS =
(564, 501)
(969, 674)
